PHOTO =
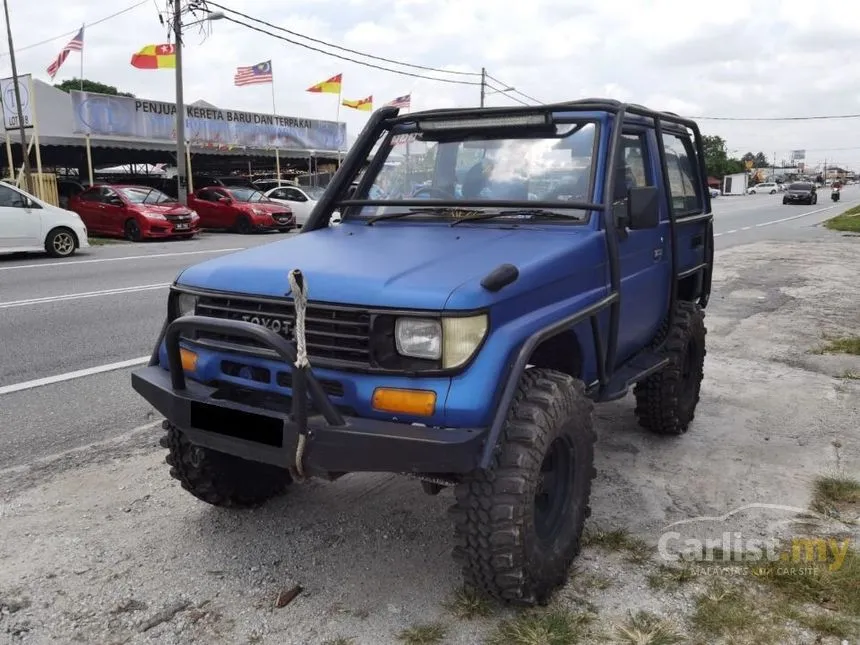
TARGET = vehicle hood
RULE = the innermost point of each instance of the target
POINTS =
(268, 207)
(162, 209)
(402, 266)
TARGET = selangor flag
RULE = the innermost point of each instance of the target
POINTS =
(365, 105)
(155, 57)
(331, 86)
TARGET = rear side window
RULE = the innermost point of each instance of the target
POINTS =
(683, 185)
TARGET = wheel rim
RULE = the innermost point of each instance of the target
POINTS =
(132, 230)
(63, 244)
(552, 495)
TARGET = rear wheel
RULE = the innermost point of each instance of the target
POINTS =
(666, 401)
(220, 479)
(773, 192)
(518, 524)
(61, 243)
(132, 231)
(784, 201)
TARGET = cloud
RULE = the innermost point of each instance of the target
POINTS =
(769, 58)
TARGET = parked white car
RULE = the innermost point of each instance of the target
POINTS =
(28, 224)
(714, 192)
(767, 188)
(300, 199)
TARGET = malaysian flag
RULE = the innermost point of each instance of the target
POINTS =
(259, 73)
(401, 101)
(76, 44)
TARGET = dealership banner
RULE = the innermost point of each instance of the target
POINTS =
(121, 116)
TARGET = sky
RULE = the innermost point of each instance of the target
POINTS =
(738, 59)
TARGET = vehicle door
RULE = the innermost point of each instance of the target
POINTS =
(688, 202)
(644, 258)
(201, 202)
(113, 211)
(89, 206)
(20, 224)
(222, 208)
(296, 200)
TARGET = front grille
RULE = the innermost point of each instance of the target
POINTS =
(339, 336)
(178, 219)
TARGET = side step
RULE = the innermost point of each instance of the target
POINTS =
(642, 366)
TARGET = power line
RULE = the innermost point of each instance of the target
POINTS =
(516, 91)
(75, 31)
(344, 49)
(506, 91)
(346, 58)
(777, 118)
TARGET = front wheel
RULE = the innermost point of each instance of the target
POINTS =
(243, 225)
(518, 525)
(666, 401)
(773, 192)
(60, 243)
(784, 201)
(218, 478)
(132, 231)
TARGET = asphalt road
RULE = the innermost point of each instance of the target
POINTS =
(99, 313)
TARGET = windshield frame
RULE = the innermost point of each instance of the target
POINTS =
(351, 207)
(800, 185)
(232, 191)
(149, 190)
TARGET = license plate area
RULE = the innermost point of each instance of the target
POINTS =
(181, 227)
(239, 424)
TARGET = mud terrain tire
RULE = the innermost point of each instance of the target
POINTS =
(220, 479)
(517, 525)
(666, 401)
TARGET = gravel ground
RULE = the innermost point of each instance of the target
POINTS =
(99, 546)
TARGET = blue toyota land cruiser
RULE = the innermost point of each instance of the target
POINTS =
(494, 272)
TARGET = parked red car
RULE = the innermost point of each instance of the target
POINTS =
(135, 212)
(240, 209)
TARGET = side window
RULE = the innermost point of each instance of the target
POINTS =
(636, 167)
(108, 196)
(683, 185)
(294, 195)
(208, 195)
(91, 195)
(11, 198)
(280, 193)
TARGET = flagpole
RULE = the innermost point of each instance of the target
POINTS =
(275, 124)
(337, 117)
(82, 56)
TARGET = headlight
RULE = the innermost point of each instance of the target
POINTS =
(258, 211)
(186, 304)
(157, 216)
(453, 340)
(194, 215)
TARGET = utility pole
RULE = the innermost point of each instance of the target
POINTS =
(28, 182)
(181, 167)
(483, 84)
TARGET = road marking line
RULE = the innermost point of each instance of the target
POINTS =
(77, 296)
(128, 257)
(68, 376)
(746, 228)
(734, 230)
(786, 219)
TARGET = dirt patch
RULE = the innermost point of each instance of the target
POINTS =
(100, 546)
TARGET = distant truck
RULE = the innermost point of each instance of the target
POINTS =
(735, 184)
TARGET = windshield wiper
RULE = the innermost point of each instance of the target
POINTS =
(438, 210)
(524, 212)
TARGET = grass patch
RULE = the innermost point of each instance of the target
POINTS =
(850, 375)
(731, 613)
(620, 541)
(555, 627)
(427, 634)
(828, 624)
(104, 241)
(644, 628)
(467, 603)
(849, 221)
(834, 492)
(667, 578)
(828, 582)
(844, 345)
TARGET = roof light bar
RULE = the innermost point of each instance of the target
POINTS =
(487, 122)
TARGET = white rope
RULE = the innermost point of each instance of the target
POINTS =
(300, 298)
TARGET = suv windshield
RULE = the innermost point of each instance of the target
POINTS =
(469, 168)
(144, 195)
(247, 195)
(800, 187)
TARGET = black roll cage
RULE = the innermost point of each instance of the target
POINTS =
(388, 117)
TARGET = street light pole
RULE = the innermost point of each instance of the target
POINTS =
(483, 85)
(181, 167)
(27, 176)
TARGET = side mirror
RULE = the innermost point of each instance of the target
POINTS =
(643, 208)
(335, 219)
(225, 200)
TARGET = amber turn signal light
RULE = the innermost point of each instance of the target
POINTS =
(189, 359)
(419, 403)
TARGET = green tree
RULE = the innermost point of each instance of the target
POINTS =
(760, 160)
(91, 86)
(717, 160)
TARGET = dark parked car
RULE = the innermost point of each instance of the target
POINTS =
(801, 192)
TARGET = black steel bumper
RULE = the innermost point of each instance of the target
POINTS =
(335, 443)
